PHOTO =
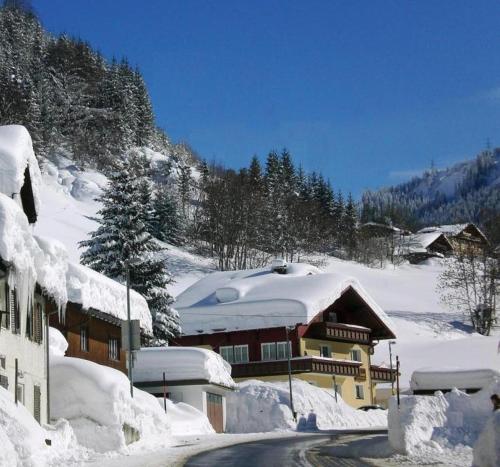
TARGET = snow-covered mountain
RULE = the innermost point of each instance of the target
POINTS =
(467, 191)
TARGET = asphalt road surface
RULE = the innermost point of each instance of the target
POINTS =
(282, 452)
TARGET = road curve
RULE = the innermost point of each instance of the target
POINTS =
(280, 452)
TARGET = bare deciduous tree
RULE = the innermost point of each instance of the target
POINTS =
(470, 284)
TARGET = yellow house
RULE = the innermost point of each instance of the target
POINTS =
(327, 321)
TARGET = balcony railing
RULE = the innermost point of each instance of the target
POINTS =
(298, 365)
(340, 332)
(379, 373)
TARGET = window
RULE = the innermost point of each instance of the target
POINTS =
(2, 362)
(4, 309)
(281, 352)
(324, 351)
(234, 354)
(268, 351)
(84, 339)
(360, 394)
(113, 348)
(240, 353)
(226, 352)
(332, 316)
(356, 355)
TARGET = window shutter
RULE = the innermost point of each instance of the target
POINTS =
(38, 323)
(14, 312)
(4, 381)
(36, 403)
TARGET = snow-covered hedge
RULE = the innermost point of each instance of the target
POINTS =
(451, 421)
(258, 406)
(487, 447)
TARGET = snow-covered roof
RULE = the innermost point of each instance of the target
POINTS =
(449, 378)
(452, 229)
(182, 364)
(93, 290)
(259, 298)
(16, 152)
(419, 242)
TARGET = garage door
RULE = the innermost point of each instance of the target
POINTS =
(214, 411)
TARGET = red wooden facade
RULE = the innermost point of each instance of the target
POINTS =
(92, 336)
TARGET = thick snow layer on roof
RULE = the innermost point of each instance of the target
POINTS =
(182, 363)
(93, 290)
(452, 229)
(424, 239)
(259, 298)
(449, 378)
(16, 152)
(52, 269)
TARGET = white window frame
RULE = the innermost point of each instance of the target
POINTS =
(354, 354)
(228, 348)
(271, 346)
(359, 391)
(240, 353)
(322, 347)
(281, 349)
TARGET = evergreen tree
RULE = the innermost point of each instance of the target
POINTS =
(350, 226)
(122, 241)
(166, 218)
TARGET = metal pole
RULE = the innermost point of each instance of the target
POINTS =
(397, 377)
(164, 393)
(390, 363)
(15, 380)
(130, 362)
(335, 387)
(290, 374)
(47, 315)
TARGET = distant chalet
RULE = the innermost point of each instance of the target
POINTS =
(330, 321)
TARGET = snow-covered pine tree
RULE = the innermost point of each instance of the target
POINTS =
(350, 227)
(122, 241)
(166, 222)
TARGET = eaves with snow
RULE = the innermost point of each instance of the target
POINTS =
(261, 298)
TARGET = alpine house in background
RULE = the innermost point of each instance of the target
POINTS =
(330, 322)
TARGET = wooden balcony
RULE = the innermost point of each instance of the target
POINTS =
(299, 365)
(340, 332)
(381, 374)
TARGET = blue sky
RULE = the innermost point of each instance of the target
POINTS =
(367, 92)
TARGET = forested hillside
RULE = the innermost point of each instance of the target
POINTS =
(69, 96)
(468, 191)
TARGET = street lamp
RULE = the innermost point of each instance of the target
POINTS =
(391, 343)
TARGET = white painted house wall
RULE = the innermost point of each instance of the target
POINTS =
(32, 359)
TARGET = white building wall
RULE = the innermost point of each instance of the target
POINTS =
(31, 359)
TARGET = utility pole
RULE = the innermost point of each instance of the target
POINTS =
(288, 352)
(130, 357)
(397, 377)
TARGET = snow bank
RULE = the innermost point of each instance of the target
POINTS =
(94, 290)
(258, 406)
(185, 419)
(96, 401)
(259, 298)
(57, 343)
(16, 152)
(22, 439)
(451, 421)
(182, 363)
(487, 447)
